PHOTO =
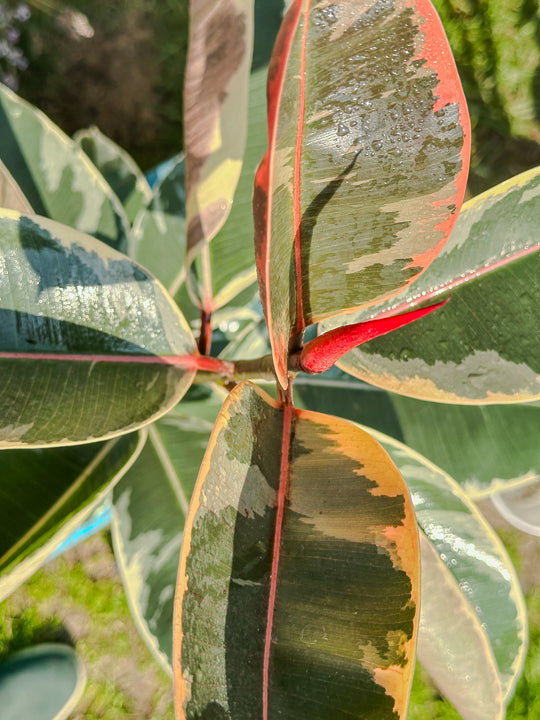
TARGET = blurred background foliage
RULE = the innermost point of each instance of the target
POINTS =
(119, 64)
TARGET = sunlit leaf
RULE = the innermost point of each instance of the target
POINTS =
(118, 168)
(82, 333)
(150, 506)
(457, 655)
(498, 444)
(367, 159)
(298, 577)
(473, 553)
(215, 119)
(47, 493)
(55, 175)
(231, 256)
(481, 347)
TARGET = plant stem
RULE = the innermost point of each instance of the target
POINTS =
(256, 369)
(205, 338)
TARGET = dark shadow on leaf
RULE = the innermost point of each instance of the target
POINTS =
(57, 265)
(307, 226)
(268, 14)
(213, 711)
(14, 160)
(25, 332)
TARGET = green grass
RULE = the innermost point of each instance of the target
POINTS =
(526, 702)
(79, 599)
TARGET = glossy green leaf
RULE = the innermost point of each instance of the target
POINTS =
(11, 195)
(498, 444)
(118, 168)
(485, 448)
(366, 164)
(481, 347)
(231, 256)
(82, 329)
(47, 493)
(55, 175)
(298, 577)
(158, 237)
(471, 550)
(215, 119)
(150, 505)
(457, 654)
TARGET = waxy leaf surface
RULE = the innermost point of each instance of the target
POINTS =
(55, 175)
(459, 658)
(230, 257)
(215, 118)
(366, 163)
(46, 493)
(82, 329)
(482, 346)
(473, 553)
(297, 586)
(118, 168)
(150, 505)
(484, 448)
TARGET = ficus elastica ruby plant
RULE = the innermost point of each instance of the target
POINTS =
(293, 364)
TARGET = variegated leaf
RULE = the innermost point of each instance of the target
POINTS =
(485, 448)
(231, 257)
(495, 610)
(55, 175)
(91, 345)
(481, 347)
(457, 654)
(215, 119)
(367, 159)
(47, 493)
(150, 505)
(298, 576)
(118, 168)
(158, 237)
(498, 444)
